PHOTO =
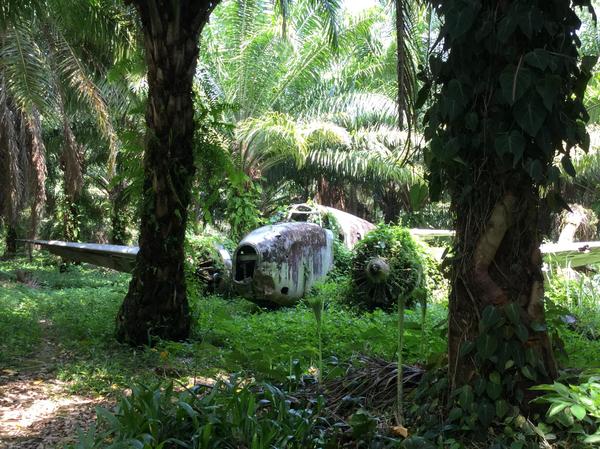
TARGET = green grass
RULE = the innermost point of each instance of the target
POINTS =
(76, 311)
(580, 299)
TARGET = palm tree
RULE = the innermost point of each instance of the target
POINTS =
(156, 303)
(303, 112)
(47, 70)
(22, 165)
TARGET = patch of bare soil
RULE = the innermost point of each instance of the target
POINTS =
(37, 411)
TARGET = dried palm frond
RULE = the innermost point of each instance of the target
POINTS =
(369, 382)
(12, 185)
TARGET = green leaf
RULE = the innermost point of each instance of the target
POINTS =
(489, 318)
(544, 142)
(495, 377)
(486, 346)
(418, 194)
(465, 397)
(530, 20)
(502, 408)
(487, 412)
(514, 82)
(460, 19)
(567, 164)
(549, 90)
(512, 143)
(455, 414)
(566, 419)
(595, 438)
(454, 101)
(465, 348)
(535, 170)
(578, 411)
(538, 58)
(556, 408)
(588, 63)
(513, 312)
(522, 333)
(493, 390)
(480, 385)
(471, 121)
(506, 28)
(422, 96)
(529, 373)
(530, 114)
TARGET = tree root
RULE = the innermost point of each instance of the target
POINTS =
(486, 249)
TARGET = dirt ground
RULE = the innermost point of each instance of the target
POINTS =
(38, 411)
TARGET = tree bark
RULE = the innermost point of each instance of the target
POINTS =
(39, 172)
(499, 263)
(156, 304)
(118, 215)
(11, 242)
(329, 194)
(71, 162)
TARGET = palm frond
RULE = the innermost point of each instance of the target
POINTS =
(72, 69)
(24, 68)
(355, 110)
(269, 140)
(15, 11)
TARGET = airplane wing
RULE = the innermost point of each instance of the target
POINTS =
(117, 257)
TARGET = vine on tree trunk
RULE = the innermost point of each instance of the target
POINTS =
(508, 87)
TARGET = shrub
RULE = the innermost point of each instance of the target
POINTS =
(204, 265)
(435, 282)
(229, 414)
(573, 408)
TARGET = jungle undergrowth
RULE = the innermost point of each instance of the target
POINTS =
(228, 336)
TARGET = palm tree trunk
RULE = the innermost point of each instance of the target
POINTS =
(156, 303)
(118, 218)
(71, 161)
(11, 177)
(37, 163)
(330, 194)
(11, 242)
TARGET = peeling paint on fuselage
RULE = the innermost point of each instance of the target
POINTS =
(290, 258)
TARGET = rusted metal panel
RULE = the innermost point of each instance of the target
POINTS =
(351, 227)
(280, 263)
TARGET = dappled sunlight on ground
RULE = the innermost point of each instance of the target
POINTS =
(37, 411)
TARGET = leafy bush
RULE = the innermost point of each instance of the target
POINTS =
(574, 408)
(573, 315)
(203, 260)
(342, 261)
(402, 271)
(230, 414)
(435, 282)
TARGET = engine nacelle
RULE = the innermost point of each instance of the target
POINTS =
(280, 263)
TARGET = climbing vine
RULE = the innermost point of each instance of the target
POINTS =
(508, 93)
(508, 88)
